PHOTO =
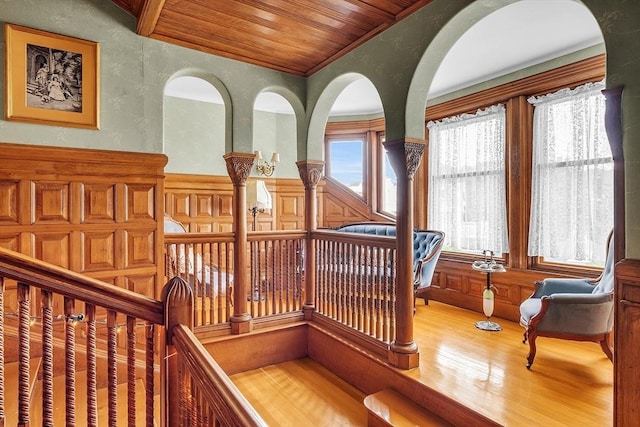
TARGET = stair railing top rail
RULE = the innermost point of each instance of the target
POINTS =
(25, 269)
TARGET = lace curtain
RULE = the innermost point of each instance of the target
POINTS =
(467, 194)
(572, 190)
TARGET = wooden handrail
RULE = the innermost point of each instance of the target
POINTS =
(25, 269)
(177, 238)
(232, 408)
(384, 242)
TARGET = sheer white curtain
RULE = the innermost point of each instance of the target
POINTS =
(467, 193)
(572, 190)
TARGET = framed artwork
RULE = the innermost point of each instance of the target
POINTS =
(51, 79)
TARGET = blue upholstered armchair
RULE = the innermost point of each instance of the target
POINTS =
(427, 245)
(574, 309)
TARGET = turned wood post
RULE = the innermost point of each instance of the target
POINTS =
(177, 297)
(310, 174)
(404, 156)
(239, 167)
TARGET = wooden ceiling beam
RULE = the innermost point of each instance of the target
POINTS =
(148, 17)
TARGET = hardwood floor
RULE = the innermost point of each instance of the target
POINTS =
(569, 384)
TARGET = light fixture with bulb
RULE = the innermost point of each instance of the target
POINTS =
(265, 168)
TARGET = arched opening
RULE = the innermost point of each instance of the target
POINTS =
(194, 126)
(275, 132)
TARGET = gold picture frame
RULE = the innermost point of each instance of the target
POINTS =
(51, 79)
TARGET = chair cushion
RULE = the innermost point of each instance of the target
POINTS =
(529, 308)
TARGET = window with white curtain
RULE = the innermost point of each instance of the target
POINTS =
(467, 192)
(572, 188)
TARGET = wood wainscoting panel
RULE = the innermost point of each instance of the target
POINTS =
(141, 204)
(289, 204)
(54, 248)
(203, 205)
(142, 284)
(52, 202)
(141, 248)
(98, 203)
(626, 348)
(454, 283)
(98, 250)
(93, 211)
(9, 200)
(178, 203)
(10, 241)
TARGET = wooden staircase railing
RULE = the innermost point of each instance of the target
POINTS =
(199, 392)
(43, 296)
(72, 305)
(356, 282)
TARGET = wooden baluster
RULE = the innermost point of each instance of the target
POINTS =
(365, 292)
(393, 298)
(24, 323)
(355, 275)
(216, 295)
(47, 358)
(385, 307)
(150, 379)
(377, 297)
(2, 409)
(131, 371)
(112, 367)
(70, 361)
(334, 284)
(92, 384)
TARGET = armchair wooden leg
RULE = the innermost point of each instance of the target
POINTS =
(606, 346)
(532, 348)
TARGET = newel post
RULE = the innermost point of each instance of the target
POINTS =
(404, 156)
(239, 167)
(310, 174)
(177, 298)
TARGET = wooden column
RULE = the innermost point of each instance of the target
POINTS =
(404, 155)
(239, 167)
(310, 174)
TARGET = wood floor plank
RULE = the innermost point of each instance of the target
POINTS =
(570, 383)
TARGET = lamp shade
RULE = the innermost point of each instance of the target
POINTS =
(258, 196)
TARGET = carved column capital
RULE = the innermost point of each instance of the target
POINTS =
(405, 155)
(310, 172)
(239, 166)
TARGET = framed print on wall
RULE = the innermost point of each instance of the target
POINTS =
(51, 79)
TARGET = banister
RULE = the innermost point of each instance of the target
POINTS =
(214, 384)
(385, 242)
(26, 269)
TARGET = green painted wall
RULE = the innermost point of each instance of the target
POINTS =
(193, 136)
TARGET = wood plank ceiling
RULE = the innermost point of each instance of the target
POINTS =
(294, 36)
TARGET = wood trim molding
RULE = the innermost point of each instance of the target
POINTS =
(149, 16)
(587, 70)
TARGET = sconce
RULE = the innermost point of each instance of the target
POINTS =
(265, 168)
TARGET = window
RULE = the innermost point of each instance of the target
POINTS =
(346, 162)
(572, 188)
(467, 194)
